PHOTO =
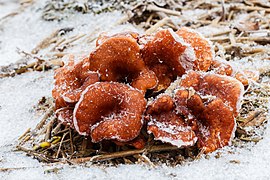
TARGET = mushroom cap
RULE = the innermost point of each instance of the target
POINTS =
(146, 79)
(103, 36)
(212, 101)
(166, 125)
(70, 81)
(168, 56)
(216, 123)
(202, 48)
(222, 67)
(117, 58)
(228, 89)
(109, 110)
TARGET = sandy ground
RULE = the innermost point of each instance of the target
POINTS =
(19, 95)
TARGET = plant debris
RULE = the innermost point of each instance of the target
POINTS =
(28, 63)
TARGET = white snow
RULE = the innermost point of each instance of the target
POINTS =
(19, 94)
(7, 7)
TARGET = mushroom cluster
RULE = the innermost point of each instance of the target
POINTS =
(168, 83)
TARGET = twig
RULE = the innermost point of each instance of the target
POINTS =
(49, 130)
(57, 44)
(219, 33)
(256, 39)
(223, 16)
(62, 131)
(251, 139)
(157, 25)
(57, 154)
(123, 154)
(145, 159)
(74, 39)
(45, 43)
(71, 141)
(167, 11)
(24, 134)
(250, 8)
(37, 155)
(45, 117)
(56, 129)
(200, 154)
(230, 15)
(26, 138)
(12, 169)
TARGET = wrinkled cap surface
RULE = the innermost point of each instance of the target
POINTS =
(109, 110)
(168, 126)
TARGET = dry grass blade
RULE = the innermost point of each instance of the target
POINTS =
(24, 134)
(157, 25)
(59, 149)
(251, 115)
(45, 117)
(12, 169)
(167, 11)
(45, 43)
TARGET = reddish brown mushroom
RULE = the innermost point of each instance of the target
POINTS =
(212, 101)
(224, 68)
(201, 108)
(109, 110)
(228, 89)
(168, 56)
(167, 125)
(70, 81)
(202, 48)
(216, 123)
(247, 75)
(117, 58)
(65, 116)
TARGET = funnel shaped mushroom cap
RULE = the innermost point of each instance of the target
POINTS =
(166, 125)
(108, 110)
(214, 103)
(247, 75)
(70, 81)
(202, 48)
(229, 89)
(168, 56)
(118, 59)
(216, 123)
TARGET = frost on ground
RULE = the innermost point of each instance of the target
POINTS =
(20, 94)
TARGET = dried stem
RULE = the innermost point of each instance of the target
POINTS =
(157, 25)
(45, 117)
(61, 144)
(124, 154)
(167, 11)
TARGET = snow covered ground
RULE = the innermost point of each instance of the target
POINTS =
(19, 94)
